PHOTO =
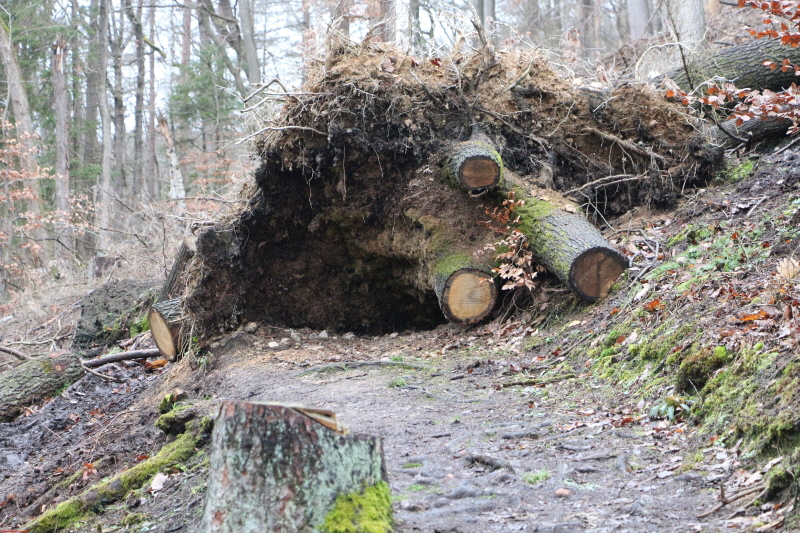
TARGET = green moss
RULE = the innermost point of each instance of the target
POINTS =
(131, 519)
(367, 511)
(537, 477)
(449, 264)
(118, 486)
(696, 368)
(736, 173)
(139, 325)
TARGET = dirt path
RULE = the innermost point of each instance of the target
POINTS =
(466, 456)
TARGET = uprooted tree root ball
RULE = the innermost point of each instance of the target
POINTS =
(353, 209)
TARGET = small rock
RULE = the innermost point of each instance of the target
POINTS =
(563, 493)
(273, 344)
(323, 334)
(250, 327)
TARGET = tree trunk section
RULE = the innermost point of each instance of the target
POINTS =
(274, 469)
(476, 164)
(742, 65)
(104, 199)
(466, 295)
(34, 380)
(570, 247)
(166, 324)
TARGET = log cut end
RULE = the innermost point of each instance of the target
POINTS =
(476, 164)
(479, 172)
(166, 322)
(468, 295)
(595, 271)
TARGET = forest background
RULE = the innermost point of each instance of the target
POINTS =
(124, 125)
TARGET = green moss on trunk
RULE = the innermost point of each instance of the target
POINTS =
(368, 511)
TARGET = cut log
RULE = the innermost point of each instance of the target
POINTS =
(274, 469)
(570, 247)
(33, 381)
(741, 64)
(466, 295)
(476, 164)
(166, 323)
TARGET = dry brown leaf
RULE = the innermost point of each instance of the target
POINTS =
(788, 268)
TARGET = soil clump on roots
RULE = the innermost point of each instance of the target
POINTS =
(352, 202)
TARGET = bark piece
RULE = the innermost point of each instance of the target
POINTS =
(476, 164)
(34, 380)
(275, 469)
(466, 295)
(172, 285)
(166, 323)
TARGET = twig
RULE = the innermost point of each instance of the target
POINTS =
(280, 128)
(783, 149)
(124, 356)
(15, 353)
(626, 144)
(99, 375)
(726, 501)
(748, 504)
(355, 364)
(618, 177)
(758, 203)
(529, 382)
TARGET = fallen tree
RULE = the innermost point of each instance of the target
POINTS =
(375, 220)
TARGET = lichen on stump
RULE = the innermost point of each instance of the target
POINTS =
(274, 469)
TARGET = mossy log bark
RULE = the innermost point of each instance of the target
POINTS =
(476, 164)
(65, 514)
(34, 380)
(570, 247)
(741, 64)
(166, 323)
(274, 469)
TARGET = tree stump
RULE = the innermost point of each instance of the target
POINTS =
(274, 469)
(166, 323)
(34, 380)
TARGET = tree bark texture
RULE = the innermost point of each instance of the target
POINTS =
(741, 64)
(64, 244)
(166, 323)
(274, 469)
(249, 43)
(172, 284)
(33, 381)
(687, 19)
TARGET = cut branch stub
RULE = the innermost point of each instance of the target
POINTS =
(476, 164)
(570, 247)
(466, 295)
(275, 469)
(166, 323)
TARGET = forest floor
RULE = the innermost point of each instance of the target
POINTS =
(634, 414)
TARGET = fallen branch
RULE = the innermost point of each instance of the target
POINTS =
(725, 501)
(492, 462)
(356, 364)
(626, 144)
(124, 356)
(15, 353)
(530, 382)
(99, 375)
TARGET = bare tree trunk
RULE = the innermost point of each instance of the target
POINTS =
(135, 16)
(226, 35)
(64, 245)
(388, 17)
(121, 185)
(105, 202)
(151, 176)
(307, 37)
(91, 148)
(77, 90)
(687, 19)
(638, 12)
(249, 42)
(176, 189)
(341, 16)
(413, 23)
